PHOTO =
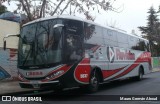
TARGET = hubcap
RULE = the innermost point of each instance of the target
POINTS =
(94, 81)
(140, 75)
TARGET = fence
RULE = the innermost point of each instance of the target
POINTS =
(155, 62)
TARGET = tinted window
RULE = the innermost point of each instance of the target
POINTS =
(122, 40)
(110, 37)
(132, 42)
(73, 27)
(147, 46)
(142, 45)
(138, 44)
(93, 34)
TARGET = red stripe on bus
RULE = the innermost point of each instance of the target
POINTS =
(108, 73)
(65, 68)
(144, 57)
(128, 70)
(82, 71)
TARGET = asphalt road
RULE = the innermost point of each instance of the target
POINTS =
(129, 89)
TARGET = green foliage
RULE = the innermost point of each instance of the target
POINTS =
(152, 31)
(3, 9)
(41, 8)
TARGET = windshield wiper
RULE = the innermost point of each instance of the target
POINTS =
(27, 55)
(42, 54)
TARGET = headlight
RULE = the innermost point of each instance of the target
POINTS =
(20, 76)
(55, 74)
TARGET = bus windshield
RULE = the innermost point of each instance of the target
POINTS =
(41, 44)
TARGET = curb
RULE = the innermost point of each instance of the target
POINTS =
(156, 70)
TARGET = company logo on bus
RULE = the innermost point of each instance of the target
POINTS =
(110, 54)
(124, 55)
(34, 73)
(119, 54)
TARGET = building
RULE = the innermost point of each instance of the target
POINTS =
(8, 58)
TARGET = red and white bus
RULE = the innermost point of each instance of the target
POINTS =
(66, 51)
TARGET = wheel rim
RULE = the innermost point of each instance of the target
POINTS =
(94, 82)
(141, 75)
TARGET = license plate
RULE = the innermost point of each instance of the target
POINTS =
(36, 85)
(34, 82)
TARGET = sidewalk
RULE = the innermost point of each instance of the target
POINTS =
(155, 69)
(12, 86)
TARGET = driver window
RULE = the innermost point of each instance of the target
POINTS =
(74, 47)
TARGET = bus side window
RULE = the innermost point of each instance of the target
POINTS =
(112, 38)
(93, 34)
(133, 43)
(122, 40)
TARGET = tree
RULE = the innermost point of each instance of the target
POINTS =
(152, 31)
(40, 8)
(3, 9)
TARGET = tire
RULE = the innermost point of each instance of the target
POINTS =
(93, 83)
(140, 74)
(58, 89)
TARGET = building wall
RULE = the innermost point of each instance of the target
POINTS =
(8, 63)
(156, 62)
(8, 58)
(9, 27)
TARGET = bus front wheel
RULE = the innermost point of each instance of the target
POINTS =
(94, 82)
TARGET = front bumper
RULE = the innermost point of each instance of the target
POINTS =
(40, 85)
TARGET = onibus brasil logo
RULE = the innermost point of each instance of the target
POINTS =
(13, 98)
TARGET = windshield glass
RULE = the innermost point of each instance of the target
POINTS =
(46, 44)
(40, 44)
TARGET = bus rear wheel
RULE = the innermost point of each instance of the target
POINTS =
(140, 74)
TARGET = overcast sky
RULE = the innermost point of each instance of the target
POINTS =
(133, 14)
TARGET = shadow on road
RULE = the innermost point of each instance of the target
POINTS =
(79, 94)
(119, 83)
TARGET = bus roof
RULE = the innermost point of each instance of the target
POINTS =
(53, 17)
(83, 20)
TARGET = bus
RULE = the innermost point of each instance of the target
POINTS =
(66, 51)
